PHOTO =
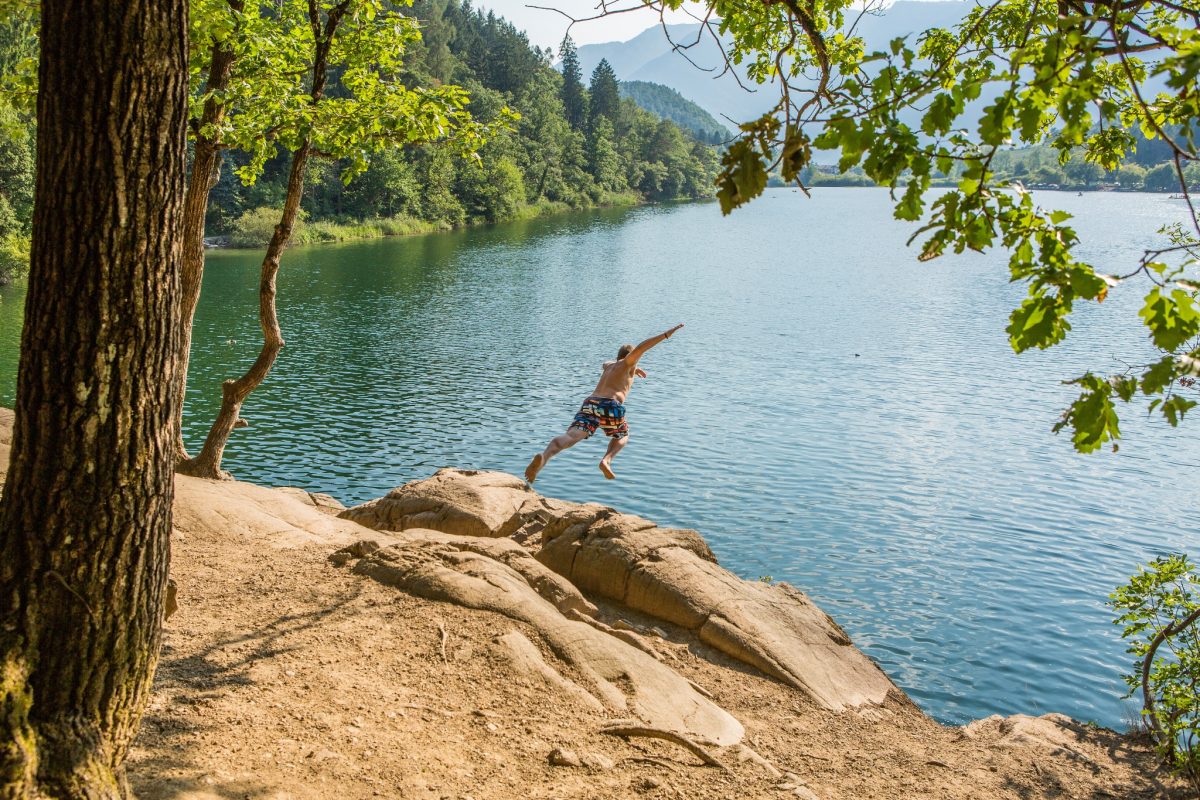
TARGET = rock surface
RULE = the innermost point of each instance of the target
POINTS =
(266, 516)
(621, 677)
(318, 500)
(466, 503)
(1055, 733)
(670, 574)
(285, 676)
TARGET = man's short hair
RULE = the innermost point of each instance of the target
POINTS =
(625, 350)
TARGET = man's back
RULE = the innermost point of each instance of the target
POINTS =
(616, 379)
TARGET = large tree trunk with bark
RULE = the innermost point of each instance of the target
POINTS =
(86, 517)
(207, 463)
(206, 164)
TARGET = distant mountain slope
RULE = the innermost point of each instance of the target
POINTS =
(628, 57)
(665, 102)
(649, 57)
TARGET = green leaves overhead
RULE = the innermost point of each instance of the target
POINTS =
(1092, 417)
(1172, 317)
(744, 165)
(1040, 322)
(945, 103)
(270, 102)
(743, 175)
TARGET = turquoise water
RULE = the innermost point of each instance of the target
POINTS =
(834, 414)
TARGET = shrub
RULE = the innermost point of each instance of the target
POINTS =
(14, 258)
(1159, 609)
(255, 228)
(403, 225)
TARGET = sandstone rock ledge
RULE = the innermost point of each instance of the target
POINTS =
(668, 574)
(466, 638)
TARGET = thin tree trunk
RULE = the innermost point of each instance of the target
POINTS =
(206, 164)
(86, 517)
(207, 463)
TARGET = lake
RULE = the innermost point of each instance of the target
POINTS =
(834, 415)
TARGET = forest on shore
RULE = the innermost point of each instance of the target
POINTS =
(576, 143)
(1149, 168)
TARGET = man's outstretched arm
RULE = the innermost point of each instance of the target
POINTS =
(641, 349)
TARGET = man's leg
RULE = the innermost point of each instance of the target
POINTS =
(556, 446)
(614, 446)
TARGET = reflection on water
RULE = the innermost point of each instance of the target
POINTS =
(834, 415)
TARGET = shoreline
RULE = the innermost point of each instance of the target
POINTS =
(337, 233)
(328, 232)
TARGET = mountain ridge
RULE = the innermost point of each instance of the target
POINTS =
(695, 66)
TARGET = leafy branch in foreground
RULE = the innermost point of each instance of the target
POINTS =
(1076, 75)
(1159, 610)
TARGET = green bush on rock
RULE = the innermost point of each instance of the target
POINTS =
(1159, 609)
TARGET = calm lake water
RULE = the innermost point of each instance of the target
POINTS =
(834, 415)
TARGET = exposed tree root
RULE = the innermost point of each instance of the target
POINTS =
(628, 731)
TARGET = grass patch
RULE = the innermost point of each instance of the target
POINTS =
(254, 228)
(328, 231)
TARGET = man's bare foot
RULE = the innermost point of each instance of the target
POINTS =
(607, 470)
(535, 466)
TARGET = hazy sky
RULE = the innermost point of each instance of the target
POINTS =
(546, 28)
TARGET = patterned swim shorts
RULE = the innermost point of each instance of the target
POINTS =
(602, 412)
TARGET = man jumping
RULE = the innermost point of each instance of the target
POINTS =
(603, 409)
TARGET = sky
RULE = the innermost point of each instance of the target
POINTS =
(546, 28)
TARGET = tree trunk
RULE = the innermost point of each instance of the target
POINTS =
(206, 163)
(86, 515)
(207, 463)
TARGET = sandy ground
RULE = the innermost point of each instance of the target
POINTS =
(283, 676)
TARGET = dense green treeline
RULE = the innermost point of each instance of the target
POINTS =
(17, 42)
(572, 147)
(1148, 168)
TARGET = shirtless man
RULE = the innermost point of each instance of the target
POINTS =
(605, 408)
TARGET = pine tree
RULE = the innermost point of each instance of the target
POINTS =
(606, 95)
(604, 161)
(575, 102)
